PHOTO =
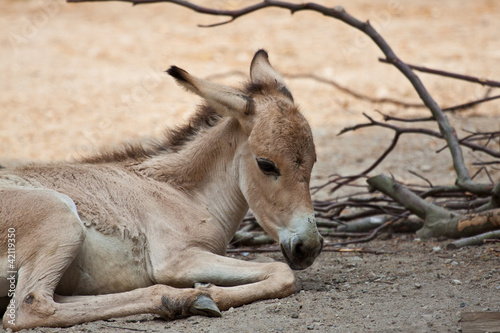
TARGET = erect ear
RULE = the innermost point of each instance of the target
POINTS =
(262, 71)
(225, 100)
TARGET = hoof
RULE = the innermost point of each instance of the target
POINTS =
(204, 306)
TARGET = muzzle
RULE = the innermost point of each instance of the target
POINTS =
(300, 249)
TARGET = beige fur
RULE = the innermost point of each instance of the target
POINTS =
(144, 229)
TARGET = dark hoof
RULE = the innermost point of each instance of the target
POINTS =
(204, 306)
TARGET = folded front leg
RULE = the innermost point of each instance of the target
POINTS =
(234, 282)
(39, 309)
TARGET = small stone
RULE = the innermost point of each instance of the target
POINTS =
(456, 282)
(463, 305)
(418, 285)
(310, 327)
(295, 315)
(436, 249)
(425, 168)
(427, 316)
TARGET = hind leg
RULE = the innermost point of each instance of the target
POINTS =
(49, 234)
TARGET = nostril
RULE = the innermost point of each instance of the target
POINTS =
(299, 249)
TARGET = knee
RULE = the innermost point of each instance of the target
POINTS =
(286, 278)
(32, 310)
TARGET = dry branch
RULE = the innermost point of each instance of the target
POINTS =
(474, 240)
(437, 220)
(364, 225)
(459, 107)
(338, 86)
(386, 100)
(246, 238)
(327, 248)
(484, 82)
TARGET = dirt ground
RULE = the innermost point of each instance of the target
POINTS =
(76, 77)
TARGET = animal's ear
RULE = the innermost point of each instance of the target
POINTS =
(262, 71)
(226, 100)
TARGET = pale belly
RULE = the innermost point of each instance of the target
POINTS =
(106, 264)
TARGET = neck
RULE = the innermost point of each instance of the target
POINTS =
(206, 169)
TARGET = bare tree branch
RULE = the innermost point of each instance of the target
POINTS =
(437, 220)
(354, 93)
(470, 104)
(332, 83)
(474, 240)
(455, 108)
(464, 142)
(484, 82)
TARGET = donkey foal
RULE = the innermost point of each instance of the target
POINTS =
(144, 229)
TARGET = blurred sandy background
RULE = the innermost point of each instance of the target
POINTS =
(76, 77)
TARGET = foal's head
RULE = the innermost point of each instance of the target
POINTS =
(276, 161)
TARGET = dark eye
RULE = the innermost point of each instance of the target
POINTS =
(268, 167)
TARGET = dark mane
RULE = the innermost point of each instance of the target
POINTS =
(174, 139)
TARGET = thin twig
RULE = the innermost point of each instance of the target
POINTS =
(459, 107)
(421, 177)
(129, 328)
(470, 104)
(354, 93)
(367, 238)
(332, 83)
(484, 82)
(377, 162)
(328, 247)
(463, 142)
(474, 240)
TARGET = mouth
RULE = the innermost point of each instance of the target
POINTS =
(294, 262)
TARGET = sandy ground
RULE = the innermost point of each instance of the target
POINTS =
(76, 77)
